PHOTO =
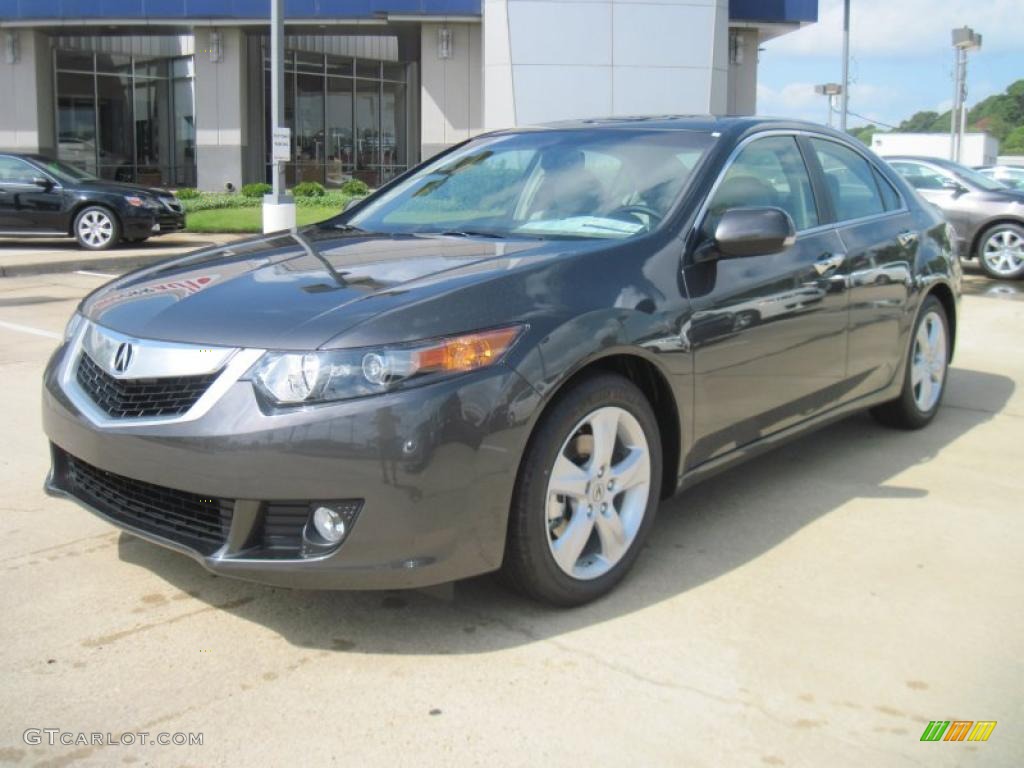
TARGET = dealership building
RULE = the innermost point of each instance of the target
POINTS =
(177, 92)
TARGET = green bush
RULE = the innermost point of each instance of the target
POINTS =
(212, 201)
(309, 189)
(256, 189)
(188, 193)
(355, 188)
(208, 201)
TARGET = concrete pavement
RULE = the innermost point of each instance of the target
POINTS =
(35, 256)
(815, 607)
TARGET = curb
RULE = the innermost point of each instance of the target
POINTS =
(120, 263)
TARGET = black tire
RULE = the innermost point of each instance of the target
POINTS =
(1006, 229)
(136, 240)
(105, 234)
(904, 412)
(529, 565)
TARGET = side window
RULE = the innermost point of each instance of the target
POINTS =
(850, 179)
(920, 176)
(767, 172)
(890, 197)
(15, 171)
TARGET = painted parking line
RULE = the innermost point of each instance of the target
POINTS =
(29, 329)
(93, 274)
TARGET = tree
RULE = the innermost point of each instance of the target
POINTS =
(1014, 143)
(864, 132)
(919, 122)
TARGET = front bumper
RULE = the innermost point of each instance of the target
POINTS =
(434, 468)
(143, 222)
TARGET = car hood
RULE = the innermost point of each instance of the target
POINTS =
(120, 188)
(301, 289)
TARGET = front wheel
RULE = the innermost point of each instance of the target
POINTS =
(924, 380)
(586, 495)
(1001, 251)
(97, 228)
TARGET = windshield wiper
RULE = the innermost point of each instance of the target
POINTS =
(347, 228)
(469, 233)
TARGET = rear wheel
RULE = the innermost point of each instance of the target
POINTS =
(586, 495)
(97, 228)
(924, 380)
(1001, 251)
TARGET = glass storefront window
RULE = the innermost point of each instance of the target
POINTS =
(310, 150)
(340, 156)
(368, 131)
(76, 119)
(127, 119)
(342, 127)
(114, 118)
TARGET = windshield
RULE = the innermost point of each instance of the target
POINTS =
(546, 183)
(66, 173)
(978, 179)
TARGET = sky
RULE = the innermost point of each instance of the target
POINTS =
(901, 58)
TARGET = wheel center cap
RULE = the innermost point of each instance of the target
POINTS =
(596, 491)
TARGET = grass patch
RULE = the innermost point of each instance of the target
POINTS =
(249, 219)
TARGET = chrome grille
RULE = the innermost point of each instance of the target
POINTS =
(171, 203)
(136, 398)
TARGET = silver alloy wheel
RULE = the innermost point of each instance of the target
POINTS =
(1003, 252)
(598, 492)
(95, 228)
(928, 365)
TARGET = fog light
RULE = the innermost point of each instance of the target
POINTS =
(329, 524)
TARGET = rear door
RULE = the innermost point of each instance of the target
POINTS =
(769, 332)
(881, 242)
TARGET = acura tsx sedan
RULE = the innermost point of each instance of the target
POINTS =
(505, 358)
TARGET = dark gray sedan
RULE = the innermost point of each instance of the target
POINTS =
(507, 357)
(988, 216)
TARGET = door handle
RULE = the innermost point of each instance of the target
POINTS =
(907, 238)
(829, 261)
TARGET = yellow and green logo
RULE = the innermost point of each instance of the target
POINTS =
(958, 730)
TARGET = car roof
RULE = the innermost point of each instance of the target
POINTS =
(699, 123)
(940, 161)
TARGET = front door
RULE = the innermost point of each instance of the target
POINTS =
(24, 206)
(769, 333)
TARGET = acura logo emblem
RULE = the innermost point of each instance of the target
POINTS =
(123, 357)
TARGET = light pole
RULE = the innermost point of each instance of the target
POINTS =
(964, 39)
(831, 90)
(846, 66)
(278, 206)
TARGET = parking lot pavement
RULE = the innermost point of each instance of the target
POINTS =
(815, 607)
(55, 256)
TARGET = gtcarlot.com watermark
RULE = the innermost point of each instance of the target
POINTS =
(58, 737)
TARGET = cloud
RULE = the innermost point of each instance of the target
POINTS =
(800, 101)
(904, 27)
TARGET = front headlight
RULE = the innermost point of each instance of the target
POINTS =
(138, 201)
(73, 323)
(294, 378)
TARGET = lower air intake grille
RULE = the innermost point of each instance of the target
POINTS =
(186, 518)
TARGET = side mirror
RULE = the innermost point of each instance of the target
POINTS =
(745, 232)
(954, 186)
(43, 182)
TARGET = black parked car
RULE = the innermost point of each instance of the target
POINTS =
(40, 197)
(506, 357)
